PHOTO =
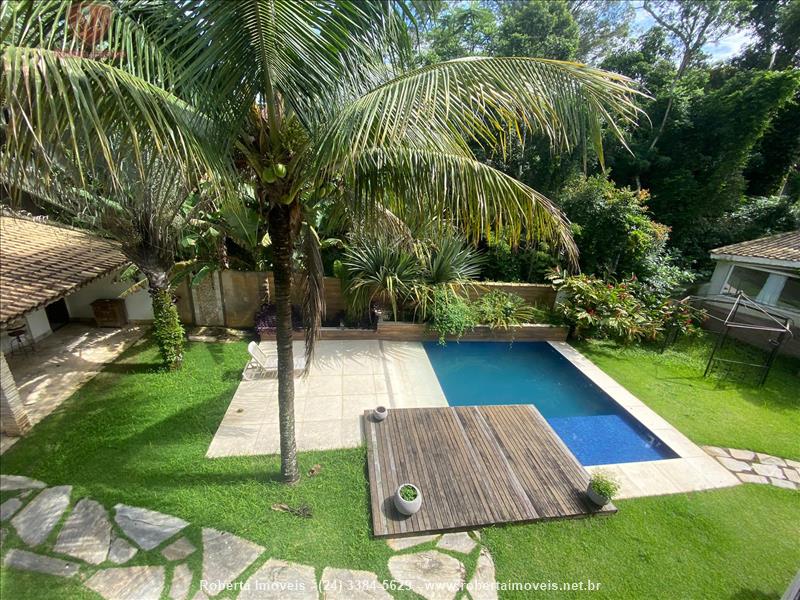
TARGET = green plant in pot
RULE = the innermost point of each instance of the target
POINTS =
(407, 499)
(602, 489)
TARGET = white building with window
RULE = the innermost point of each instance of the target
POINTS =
(767, 270)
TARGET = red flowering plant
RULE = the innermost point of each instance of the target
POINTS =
(624, 311)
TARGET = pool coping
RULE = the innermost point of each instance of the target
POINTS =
(693, 470)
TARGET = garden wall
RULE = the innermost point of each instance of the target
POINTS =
(231, 298)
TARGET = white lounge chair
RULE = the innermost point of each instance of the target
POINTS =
(265, 365)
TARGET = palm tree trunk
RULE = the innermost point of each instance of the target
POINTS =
(280, 230)
(167, 328)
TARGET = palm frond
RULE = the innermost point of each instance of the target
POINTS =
(475, 197)
(313, 284)
(487, 101)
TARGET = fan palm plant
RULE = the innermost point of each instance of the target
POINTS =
(300, 99)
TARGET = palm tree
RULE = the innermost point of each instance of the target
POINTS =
(301, 100)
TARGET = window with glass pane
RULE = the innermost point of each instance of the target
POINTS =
(749, 281)
(790, 296)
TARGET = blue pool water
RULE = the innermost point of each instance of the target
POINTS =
(594, 427)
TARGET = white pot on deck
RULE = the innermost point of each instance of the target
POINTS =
(407, 507)
(379, 413)
(598, 499)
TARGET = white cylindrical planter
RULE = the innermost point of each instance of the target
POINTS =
(407, 507)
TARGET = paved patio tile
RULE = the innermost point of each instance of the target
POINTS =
(35, 522)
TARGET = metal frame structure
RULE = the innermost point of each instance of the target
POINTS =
(775, 324)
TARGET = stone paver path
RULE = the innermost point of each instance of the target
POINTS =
(431, 574)
(225, 557)
(756, 467)
(147, 528)
(86, 534)
(128, 583)
(88, 540)
(35, 522)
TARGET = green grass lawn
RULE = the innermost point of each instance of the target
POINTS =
(713, 411)
(139, 436)
(737, 543)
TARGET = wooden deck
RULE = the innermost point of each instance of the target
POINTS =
(475, 466)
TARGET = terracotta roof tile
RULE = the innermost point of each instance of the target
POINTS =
(40, 263)
(783, 246)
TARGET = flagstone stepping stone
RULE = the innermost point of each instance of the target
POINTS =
(147, 528)
(750, 478)
(178, 550)
(792, 475)
(344, 584)
(181, 582)
(403, 543)
(3, 534)
(128, 583)
(35, 522)
(457, 542)
(279, 580)
(225, 557)
(86, 534)
(743, 454)
(483, 586)
(793, 463)
(9, 507)
(782, 483)
(433, 575)
(768, 459)
(29, 561)
(734, 465)
(121, 551)
(768, 470)
(716, 451)
(18, 482)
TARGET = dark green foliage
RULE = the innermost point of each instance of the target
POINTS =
(616, 235)
(776, 152)
(408, 493)
(624, 312)
(167, 328)
(537, 28)
(525, 263)
(451, 314)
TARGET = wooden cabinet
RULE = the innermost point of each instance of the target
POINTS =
(110, 313)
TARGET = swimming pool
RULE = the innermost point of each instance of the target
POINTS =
(596, 429)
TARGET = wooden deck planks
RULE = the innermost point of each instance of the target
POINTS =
(475, 466)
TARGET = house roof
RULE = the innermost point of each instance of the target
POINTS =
(782, 249)
(40, 263)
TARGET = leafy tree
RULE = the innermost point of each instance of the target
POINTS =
(604, 27)
(302, 102)
(543, 28)
(691, 24)
(616, 235)
(462, 31)
(700, 176)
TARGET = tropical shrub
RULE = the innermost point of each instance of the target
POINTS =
(499, 309)
(451, 315)
(379, 270)
(167, 328)
(616, 236)
(604, 485)
(624, 311)
(524, 263)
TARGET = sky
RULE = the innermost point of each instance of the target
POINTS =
(725, 48)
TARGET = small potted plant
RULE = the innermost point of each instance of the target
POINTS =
(408, 499)
(379, 413)
(602, 489)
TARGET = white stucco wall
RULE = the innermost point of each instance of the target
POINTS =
(38, 327)
(137, 304)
